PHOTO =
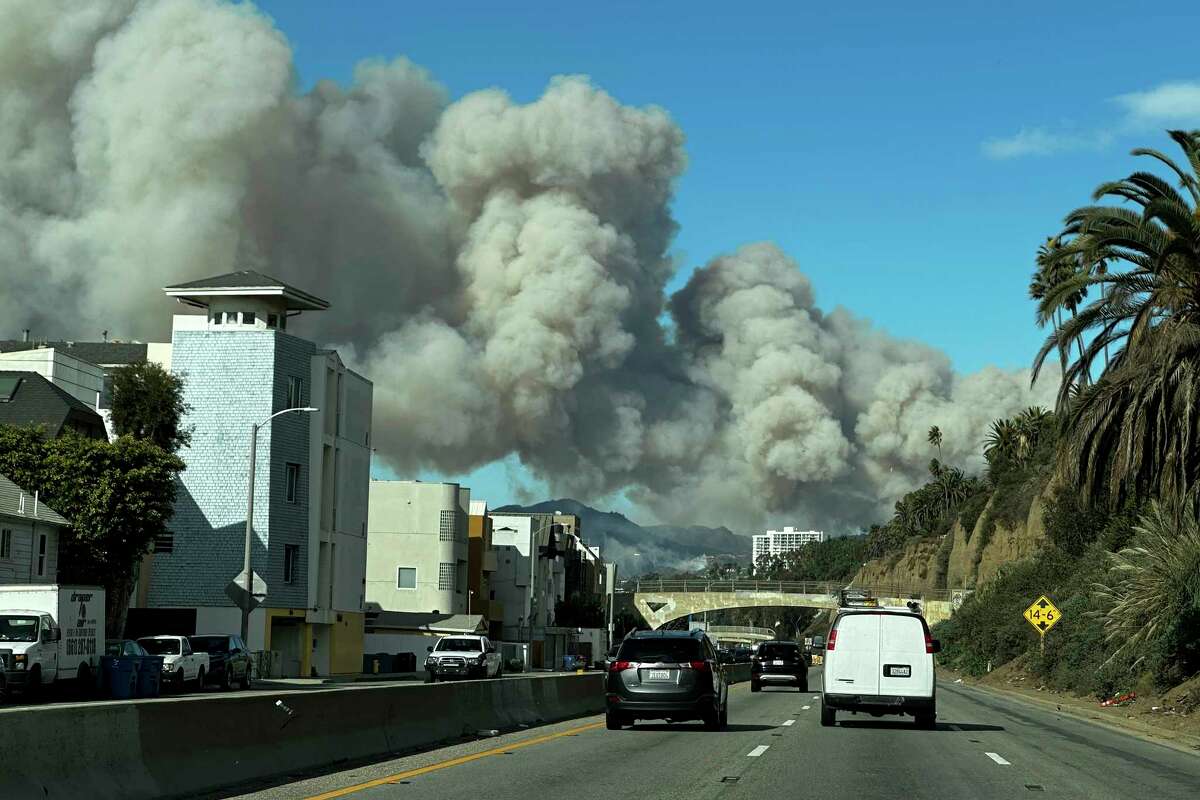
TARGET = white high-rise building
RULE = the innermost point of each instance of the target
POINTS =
(772, 543)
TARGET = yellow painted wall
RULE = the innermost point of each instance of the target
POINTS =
(346, 656)
(305, 635)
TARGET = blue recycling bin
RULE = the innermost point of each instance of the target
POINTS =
(569, 663)
(149, 675)
(120, 676)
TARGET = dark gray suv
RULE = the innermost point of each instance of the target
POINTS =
(671, 675)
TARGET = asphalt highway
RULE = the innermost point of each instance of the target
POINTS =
(984, 746)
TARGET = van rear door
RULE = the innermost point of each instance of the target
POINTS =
(905, 668)
(853, 665)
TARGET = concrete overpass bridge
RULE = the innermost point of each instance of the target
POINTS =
(740, 634)
(661, 601)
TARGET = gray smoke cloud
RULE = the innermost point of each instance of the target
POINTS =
(497, 269)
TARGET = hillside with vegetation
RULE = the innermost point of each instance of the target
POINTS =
(1095, 502)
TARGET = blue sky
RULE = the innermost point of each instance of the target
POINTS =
(910, 157)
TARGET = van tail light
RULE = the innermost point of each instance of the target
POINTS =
(832, 640)
(700, 666)
(928, 642)
(620, 666)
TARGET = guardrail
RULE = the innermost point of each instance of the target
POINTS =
(830, 588)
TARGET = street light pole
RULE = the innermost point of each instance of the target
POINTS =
(254, 428)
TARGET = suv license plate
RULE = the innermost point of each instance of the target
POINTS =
(777, 662)
(899, 672)
(658, 675)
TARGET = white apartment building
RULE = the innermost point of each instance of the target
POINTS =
(773, 543)
(417, 547)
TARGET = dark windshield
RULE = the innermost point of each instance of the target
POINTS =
(18, 629)
(670, 651)
(210, 644)
(776, 651)
(461, 645)
(160, 647)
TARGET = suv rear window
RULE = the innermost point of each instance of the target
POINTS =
(771, 650)
(652, 650)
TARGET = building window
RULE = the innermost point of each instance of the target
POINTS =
(216, 318)
(447, 525)
(231, 317)
(41, 556)
(295, 391)
(247, 317)
(6, 543)
(406, 577)
(272, 320)
(164, 543)
(446, 575)
(291, 562)
(291, 482)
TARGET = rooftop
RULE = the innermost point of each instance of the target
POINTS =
(27, 399)
(12, 505)
(244, 283)
(104, 354)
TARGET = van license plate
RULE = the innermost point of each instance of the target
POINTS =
(658, 675)
(898, 671)
(777, 662)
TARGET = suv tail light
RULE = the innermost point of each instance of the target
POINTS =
(620, 666)
(700, 666)
(832, 640)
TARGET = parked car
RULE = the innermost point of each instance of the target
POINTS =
(49, 634)
(779, 663)
(879, 661)
(181, 664)
(228, 659)
(123, 647)
(671, 675)
(462, 656)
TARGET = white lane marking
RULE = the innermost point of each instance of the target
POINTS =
(805, 708)
(997, 759)
(758, 751)
(788, 722)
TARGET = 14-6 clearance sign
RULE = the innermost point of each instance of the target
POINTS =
(1042, 615)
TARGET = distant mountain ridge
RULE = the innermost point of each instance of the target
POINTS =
(661, 547)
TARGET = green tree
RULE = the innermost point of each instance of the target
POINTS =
(1132, 432)
(147, 403)
(117, 495)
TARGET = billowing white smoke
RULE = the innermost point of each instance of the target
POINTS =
(497, 269)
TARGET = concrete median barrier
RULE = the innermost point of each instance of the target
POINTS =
(171, 748)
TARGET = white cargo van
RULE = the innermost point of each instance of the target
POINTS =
(879, 661)
(49, 634)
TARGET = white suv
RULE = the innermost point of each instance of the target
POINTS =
(463, 656)
(879, 661)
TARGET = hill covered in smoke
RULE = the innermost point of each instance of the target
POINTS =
(639, 549)
(497, 269)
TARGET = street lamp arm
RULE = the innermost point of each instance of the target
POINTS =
(307, 409)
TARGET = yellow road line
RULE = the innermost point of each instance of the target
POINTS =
(453, 762)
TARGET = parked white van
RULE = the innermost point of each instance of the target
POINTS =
(49, 634)
(879, 661)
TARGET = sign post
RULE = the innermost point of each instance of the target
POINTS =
(1043, 615)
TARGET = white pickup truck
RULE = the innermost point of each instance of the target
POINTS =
(181, 664)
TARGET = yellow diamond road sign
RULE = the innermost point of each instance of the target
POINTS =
(1042, 615)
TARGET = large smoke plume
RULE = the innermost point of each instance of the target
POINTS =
(497, 269)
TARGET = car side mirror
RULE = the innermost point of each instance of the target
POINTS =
(935, 646)
(429, 649)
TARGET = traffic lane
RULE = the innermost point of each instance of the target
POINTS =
(579, 757)
(1073, 758)
(978, 749)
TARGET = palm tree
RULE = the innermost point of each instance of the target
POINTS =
(1003, 442)
(1135, 430)
(935, 439)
